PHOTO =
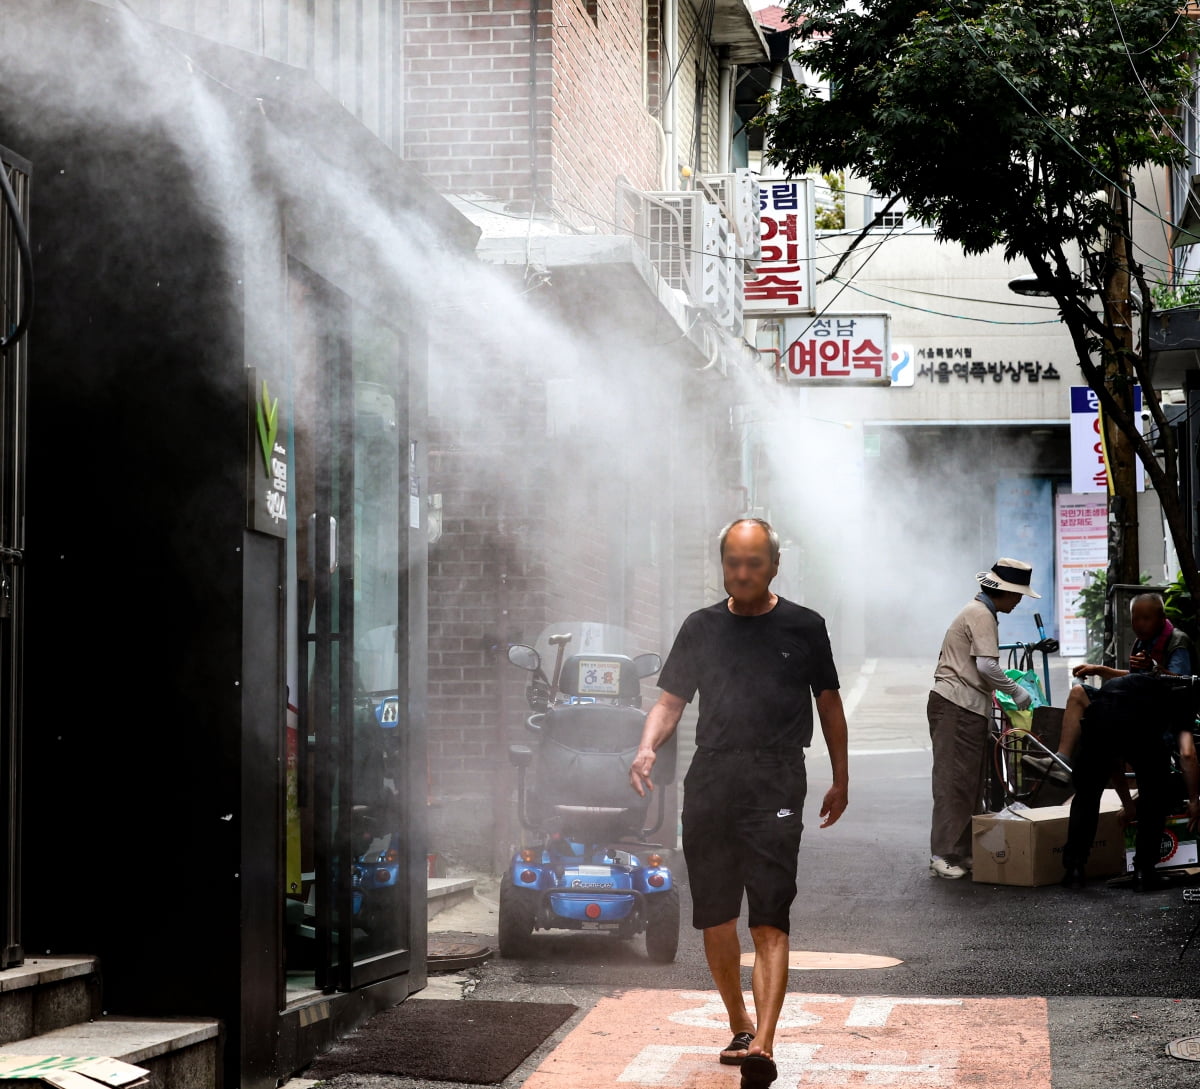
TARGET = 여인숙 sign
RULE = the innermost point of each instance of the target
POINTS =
(838, 349)
(783, 277)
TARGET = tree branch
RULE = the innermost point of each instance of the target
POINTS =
(858, 239)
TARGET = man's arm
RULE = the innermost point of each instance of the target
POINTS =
(660, 725)
(833, 726)
(1105, 673)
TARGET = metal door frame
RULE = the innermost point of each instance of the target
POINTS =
(14, 362)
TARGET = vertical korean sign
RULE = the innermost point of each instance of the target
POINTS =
(783, 279)
(1089, 470)
(1081, 529)
(268, 470)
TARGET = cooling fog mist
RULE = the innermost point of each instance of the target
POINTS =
(582, 452)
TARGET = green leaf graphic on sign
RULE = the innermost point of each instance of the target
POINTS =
(267, 414)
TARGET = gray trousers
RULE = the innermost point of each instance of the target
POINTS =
(959, 740)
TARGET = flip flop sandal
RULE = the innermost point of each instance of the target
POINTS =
(740, 1042)
(758, 1072)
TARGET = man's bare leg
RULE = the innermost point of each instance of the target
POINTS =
(770, 984)
(724, 954)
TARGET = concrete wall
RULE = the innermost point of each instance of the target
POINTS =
(352, 49)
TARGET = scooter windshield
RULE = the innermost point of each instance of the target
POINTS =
(588, 637)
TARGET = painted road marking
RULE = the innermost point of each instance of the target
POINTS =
(803, 960)
(672, 1038)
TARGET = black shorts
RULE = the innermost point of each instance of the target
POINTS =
(743, 814)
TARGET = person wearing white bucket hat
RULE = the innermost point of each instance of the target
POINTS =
(968, 671)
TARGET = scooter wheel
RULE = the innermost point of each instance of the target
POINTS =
(662, 926)
(516, 920)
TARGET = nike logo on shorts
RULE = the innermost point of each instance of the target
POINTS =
(784, 813)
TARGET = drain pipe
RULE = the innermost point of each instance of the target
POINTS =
(725, 72)
(534, 180)
(670, 28)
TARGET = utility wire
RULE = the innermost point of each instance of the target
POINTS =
(942, 313)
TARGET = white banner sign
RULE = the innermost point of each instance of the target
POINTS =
(1089, 473)
(838, 349)
(1081, 529)
(783, 278)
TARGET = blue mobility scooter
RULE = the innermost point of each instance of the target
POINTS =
(591, 868)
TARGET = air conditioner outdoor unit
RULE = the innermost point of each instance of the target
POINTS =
(737, 193)
(694, 249)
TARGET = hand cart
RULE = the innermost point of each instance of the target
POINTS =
(1009, 779)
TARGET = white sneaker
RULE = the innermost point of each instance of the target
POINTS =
(941, 867)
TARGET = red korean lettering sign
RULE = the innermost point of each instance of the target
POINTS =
(849, 349)
(783, 278)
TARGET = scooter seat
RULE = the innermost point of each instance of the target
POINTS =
(594, 727)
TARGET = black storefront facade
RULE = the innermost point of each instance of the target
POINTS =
(222, 785)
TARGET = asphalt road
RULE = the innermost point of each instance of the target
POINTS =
(1098, 970)
(865, 888)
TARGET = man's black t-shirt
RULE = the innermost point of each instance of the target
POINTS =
(756, 674)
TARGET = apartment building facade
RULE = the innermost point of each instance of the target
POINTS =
(585, 468)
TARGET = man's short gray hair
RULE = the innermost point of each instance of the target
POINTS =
(762, 523)
(1156, 598)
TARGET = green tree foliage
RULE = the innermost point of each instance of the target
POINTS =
(831, 212)
(1015, 125)
(999, 123)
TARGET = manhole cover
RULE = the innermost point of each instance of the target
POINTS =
(800, 960)
(1186, 1048)
(444, 956)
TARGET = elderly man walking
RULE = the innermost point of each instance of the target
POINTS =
(757, 661)
(968, 671)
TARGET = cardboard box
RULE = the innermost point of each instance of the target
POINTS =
(1025, 847)
(1178, 845)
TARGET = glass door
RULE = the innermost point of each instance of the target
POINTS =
(347, 900)
(376, 748)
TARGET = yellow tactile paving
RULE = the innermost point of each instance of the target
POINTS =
(672, 1038)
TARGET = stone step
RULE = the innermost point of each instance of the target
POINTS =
(180, 1054)
(444, 892)
(47, 993)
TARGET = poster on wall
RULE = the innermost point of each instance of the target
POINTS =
(1081, 530)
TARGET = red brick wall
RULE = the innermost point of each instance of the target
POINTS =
(467, 94)
(535, 531)
(602, 127)
(467, 87)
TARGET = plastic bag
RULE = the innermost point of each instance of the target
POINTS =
(1022, 719)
